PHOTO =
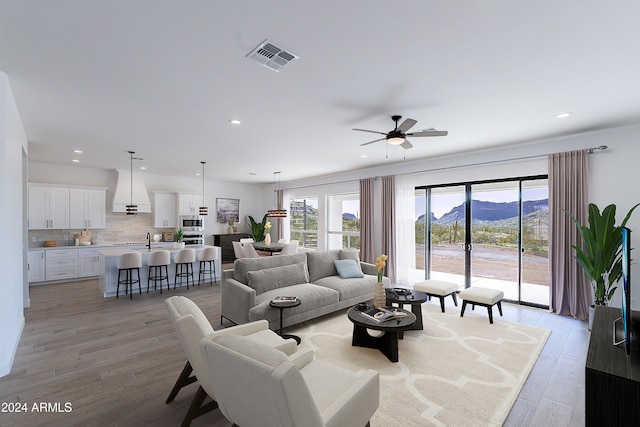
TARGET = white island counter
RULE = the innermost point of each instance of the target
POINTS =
(108, 280)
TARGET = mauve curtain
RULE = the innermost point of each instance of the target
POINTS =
(366, 220)
(569, 290)
(389, 224)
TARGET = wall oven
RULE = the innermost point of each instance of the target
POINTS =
(193, 230)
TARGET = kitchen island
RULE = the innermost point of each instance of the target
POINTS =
(108, 279)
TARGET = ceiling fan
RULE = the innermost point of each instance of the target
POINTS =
(399, 135)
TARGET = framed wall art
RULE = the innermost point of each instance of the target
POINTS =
(227, 208)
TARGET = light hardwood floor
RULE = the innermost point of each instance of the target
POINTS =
(115, 361)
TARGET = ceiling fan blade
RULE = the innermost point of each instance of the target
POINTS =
(406, 145)
(372, 131)
(406, 125)
(429, 133)
(371, 142)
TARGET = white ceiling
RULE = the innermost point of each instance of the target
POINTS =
(162, 78)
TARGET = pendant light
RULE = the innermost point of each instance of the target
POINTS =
(203, 209)
(132, 209)
(278, 212)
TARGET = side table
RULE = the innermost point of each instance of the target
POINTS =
(281, 306)
(402, 296)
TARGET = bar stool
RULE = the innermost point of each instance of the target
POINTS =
(184, 260)
(128, 262)
(207, 258)
(156, 261)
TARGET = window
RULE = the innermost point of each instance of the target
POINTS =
(304, 221)
(343, 221)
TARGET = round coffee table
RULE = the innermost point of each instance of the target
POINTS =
(387, 343)
(401, 296)
(281, 306)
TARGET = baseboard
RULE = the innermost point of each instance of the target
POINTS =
(5, 366)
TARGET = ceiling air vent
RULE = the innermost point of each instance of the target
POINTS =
(272, 56)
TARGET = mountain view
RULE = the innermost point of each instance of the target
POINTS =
(490, 212)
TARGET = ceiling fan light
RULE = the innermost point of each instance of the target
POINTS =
(395, 140)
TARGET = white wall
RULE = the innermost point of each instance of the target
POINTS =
(252, 197)
(12, 143)
(613, 175)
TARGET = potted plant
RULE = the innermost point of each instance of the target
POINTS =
(178, 243)
(600, 255)
(257, 228)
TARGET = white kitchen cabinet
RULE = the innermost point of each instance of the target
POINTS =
(87, 208)
(88, 262)
(61, 264)
(164, 210)
(36, 266)
(48, 207)
(189, 203)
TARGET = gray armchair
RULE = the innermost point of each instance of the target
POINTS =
(191, 326)
(256, 385)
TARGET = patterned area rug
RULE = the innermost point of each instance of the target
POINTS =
(457, 372)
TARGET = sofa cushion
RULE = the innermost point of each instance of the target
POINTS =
(244, 265)
(349, 288)
(311, 297)
(277, 277)
(348, 269)
(320, 264)
(350, 254)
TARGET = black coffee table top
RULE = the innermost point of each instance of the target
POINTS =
(401, 324)
(405, 296)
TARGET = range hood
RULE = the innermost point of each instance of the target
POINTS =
(122, 196)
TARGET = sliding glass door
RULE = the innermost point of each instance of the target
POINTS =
(491, 234)
(447, 232)
(494, 236)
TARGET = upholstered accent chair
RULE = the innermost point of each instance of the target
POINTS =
(256, 385)
(191, 326)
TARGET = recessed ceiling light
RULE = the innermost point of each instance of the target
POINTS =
(364, 155)
(234, 121)
(143, 168)
(75, 161)
(563, 115)
(77, 151)
(197, 173)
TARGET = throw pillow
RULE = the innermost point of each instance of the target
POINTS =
(278, 277)
(348, 269)
(320, 264)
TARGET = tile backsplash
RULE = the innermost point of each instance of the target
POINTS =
(121, 228)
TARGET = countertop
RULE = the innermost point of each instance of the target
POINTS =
(116, 252)
(105, 246)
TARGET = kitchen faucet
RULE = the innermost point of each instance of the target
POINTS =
(149, 240)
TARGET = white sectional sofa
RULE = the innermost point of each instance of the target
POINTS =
(312, 276)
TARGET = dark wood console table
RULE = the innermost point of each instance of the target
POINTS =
(612, 379)
(226, 245)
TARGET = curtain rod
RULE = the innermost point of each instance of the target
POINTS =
(590, 150)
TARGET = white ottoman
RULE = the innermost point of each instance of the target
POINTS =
(482, 296)
(438, 288)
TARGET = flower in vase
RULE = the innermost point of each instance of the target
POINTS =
(267, 227)
(381, 263)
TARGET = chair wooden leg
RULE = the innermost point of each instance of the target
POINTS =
(455, 299)
(464, 305)
(183, 380)
(197, 409)
(441, 303)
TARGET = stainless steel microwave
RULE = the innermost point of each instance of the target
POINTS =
(191, 222)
